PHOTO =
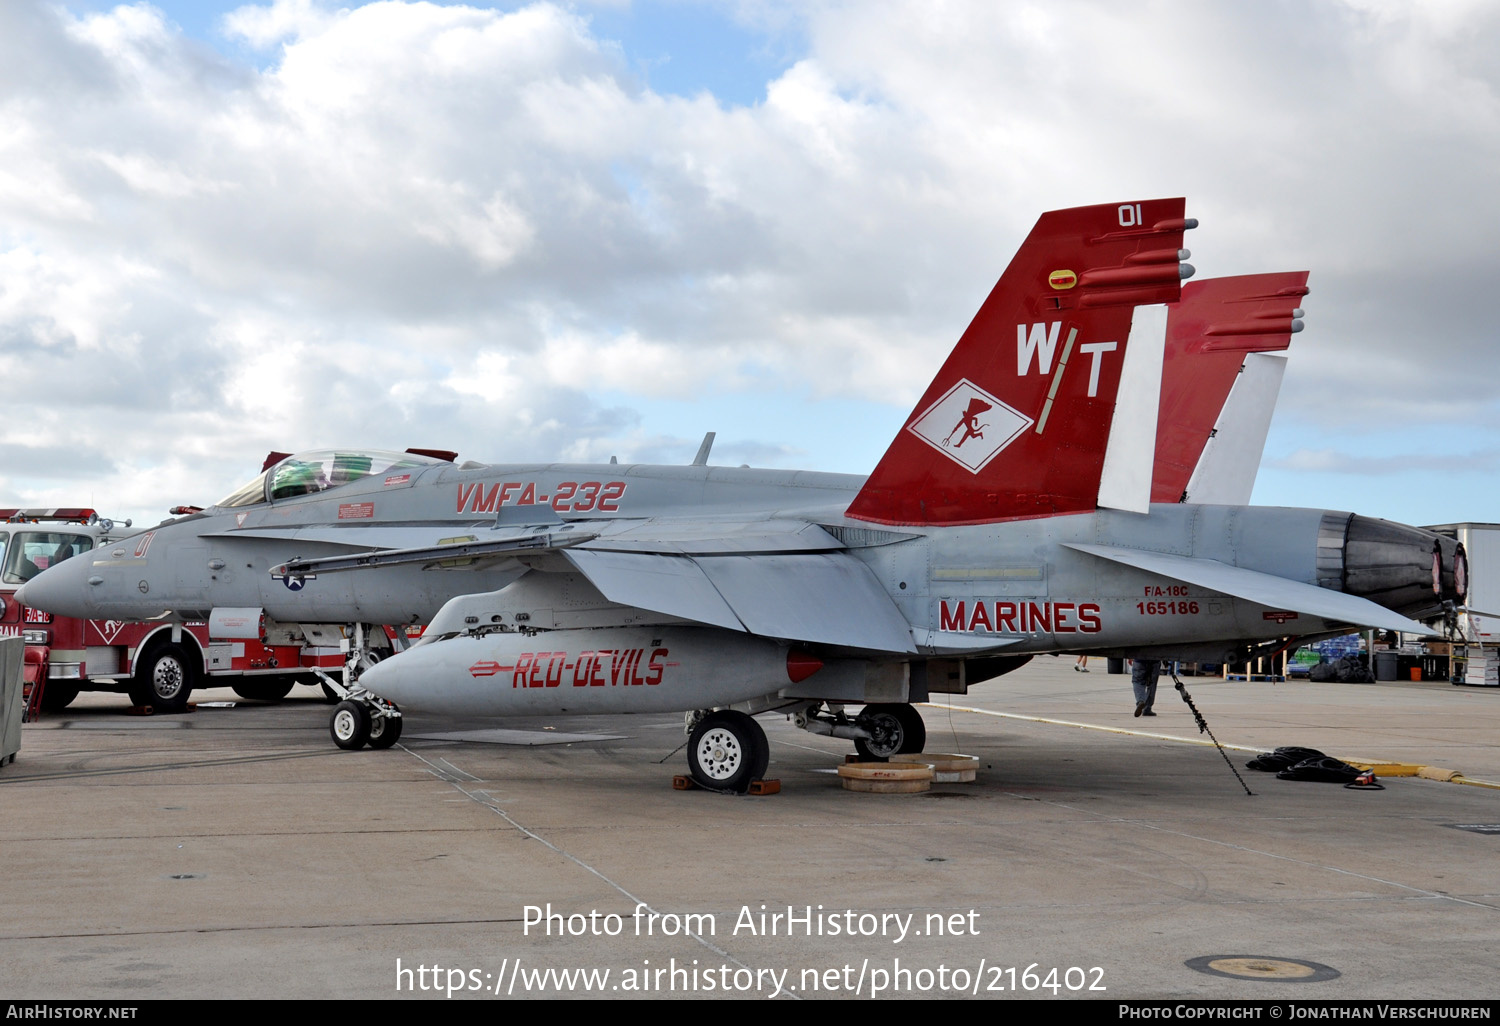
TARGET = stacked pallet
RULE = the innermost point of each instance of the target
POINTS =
(1483, 668)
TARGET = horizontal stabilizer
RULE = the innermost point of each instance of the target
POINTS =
(1263, 589)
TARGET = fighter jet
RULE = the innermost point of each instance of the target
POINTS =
(838, 600)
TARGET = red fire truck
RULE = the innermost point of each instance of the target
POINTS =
(156, 664)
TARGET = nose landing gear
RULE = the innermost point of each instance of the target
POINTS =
(360, 718)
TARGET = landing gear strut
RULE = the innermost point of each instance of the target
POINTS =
(361, 718)
(880, 731)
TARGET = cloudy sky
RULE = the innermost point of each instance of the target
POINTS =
(576, 231)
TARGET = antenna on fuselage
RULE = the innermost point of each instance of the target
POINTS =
(701, 460)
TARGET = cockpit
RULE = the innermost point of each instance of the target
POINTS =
(320, 470)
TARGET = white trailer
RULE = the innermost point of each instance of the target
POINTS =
(1481, 543)
(1480, 651)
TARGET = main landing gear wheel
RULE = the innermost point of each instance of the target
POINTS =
(728, 750)
(897, 728)
(384, 731)
(164, 679)
(350, 725)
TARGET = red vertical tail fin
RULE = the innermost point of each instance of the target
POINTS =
(1016, 422)
(1209, 332)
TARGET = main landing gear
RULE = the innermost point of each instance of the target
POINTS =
(895, 729)
(881, 731)
(728, 750)
(361, 718)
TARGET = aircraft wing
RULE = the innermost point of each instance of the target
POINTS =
(465, 547)
(827, 597)
(775, 578)
(395, 545)
(364, 538)
(1262, 589)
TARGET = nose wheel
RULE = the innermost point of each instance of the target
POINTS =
(727, 751)
(350, 725)
(359, 722)
(361, 718)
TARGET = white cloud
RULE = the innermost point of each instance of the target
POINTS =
(263, 26)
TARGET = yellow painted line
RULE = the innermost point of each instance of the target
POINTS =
(1381, 767)
(1387, 769)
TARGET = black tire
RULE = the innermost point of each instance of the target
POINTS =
(57, 697)
(164, 679)
(350, 725)
(916, 730)
(385, 730)
(264, 690)
(898, 730)
(728, 750)
(329, 695)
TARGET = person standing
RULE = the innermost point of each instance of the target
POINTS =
(1144, 674)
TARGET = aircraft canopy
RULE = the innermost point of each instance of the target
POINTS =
(319, 470)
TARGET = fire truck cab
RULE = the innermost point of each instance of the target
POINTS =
(157, 665)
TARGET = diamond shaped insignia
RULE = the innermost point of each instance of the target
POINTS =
(969, 426)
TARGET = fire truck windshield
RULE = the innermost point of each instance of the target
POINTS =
(307, 473)
(31, 552)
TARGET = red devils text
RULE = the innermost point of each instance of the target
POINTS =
(1019, 617)
(608, 667)
(570, 495)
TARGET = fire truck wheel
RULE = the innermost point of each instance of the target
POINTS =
(728, 750)
(264, 690)
(350, 725)
(329, 695)
(384, 731)
(57, 697)
(898, 730)
(164, 679)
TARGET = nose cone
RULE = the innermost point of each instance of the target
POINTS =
(436, 678)
(385, 680)
(63, 590)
